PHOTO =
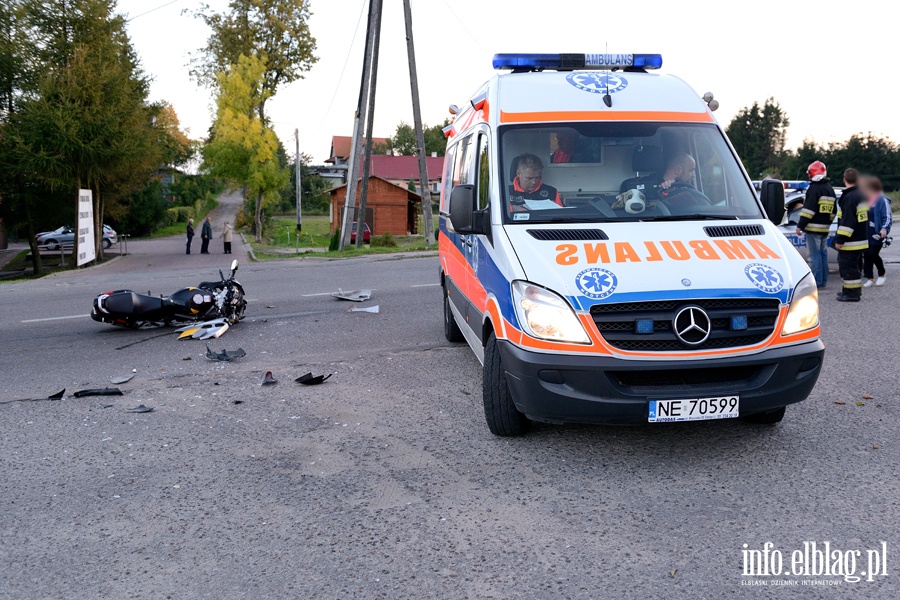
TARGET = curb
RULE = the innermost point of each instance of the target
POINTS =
(249, 249)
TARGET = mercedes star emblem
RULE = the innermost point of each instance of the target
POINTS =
(692, 325)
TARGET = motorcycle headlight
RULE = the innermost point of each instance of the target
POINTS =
(804, 311)
(545, 315)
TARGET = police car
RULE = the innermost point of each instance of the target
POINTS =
(605, 256)
(788, 226)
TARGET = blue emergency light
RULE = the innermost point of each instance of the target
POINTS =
(563, 62)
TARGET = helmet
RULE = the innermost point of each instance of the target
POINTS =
(816, 170)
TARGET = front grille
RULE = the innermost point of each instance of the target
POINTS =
(568, 235)
(644, 381)
(733, 230)
(617, 323)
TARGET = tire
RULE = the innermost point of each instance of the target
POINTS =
(51, 245)
(451, 328)
(770, 417)
(106, 243)
(503, 419)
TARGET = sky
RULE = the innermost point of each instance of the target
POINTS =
(826, 63)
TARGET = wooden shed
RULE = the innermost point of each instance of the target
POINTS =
(391, 208)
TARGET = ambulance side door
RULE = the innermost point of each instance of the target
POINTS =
(479, 175)
(458, 261)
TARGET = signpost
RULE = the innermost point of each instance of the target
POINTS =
(85, 233)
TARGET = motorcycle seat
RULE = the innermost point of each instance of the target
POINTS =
(129, 302)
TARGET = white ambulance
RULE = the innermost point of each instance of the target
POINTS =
(606, 257)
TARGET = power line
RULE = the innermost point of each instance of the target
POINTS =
(129, 19)
(343, 69)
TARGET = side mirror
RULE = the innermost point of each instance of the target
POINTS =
(462, 208)
(772, 197)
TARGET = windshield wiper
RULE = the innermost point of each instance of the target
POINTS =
(694, 217)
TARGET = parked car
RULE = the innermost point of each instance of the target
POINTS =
(65, 236)
(367, 233)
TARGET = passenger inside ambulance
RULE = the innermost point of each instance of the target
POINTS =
(622, 171)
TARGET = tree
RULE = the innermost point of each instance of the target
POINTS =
(404, 140)
(758, 135)
(177, 147)
(276, 31)
(243, 149)
(81, 117)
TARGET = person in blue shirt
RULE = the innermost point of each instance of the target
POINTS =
(880, 221)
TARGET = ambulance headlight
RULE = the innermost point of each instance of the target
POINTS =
(545, 315)
(804, 311)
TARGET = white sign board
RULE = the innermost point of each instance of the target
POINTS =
(85, 232)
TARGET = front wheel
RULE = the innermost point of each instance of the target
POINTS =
(106, 243)
(503, 418)
(51, 245)
(451, 329)
(769, 417)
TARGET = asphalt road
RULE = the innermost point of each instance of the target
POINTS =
(384, 482)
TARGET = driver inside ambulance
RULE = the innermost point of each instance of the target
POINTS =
(527, 184)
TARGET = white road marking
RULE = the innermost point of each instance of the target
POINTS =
(56, 318)
(426, 285)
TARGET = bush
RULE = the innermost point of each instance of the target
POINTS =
(179, 214)
(385, 240)
(335, 241)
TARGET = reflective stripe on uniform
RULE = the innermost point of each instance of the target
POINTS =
(844, 230)
(856, 283)
(816, 228)
(858, 245)
(807, 213)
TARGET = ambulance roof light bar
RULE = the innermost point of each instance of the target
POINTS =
(568, 62)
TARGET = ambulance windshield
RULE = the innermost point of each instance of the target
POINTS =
(622, 171)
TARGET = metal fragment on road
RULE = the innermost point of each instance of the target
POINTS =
(268, 379)
(224, 355)
(140, 409)
(58, 395)
(353, 295)
(310, 379)
(121, 378)
(367, 309)
(98, 392)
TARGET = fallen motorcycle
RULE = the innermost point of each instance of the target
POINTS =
(211, 300)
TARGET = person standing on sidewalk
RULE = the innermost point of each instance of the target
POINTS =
(815, 220)
(852, 237)
(227, 233)
(205, 236)
(880, 221)
(190, 234)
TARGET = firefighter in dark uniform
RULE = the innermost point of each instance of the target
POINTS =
(852, 237)
(527, 184)
(815, 220)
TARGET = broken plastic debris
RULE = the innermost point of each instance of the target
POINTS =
(268, 379)
(224, 355)
(368, 309)
(140, 409)
(353, 295)
(310, 379)
(121, 379)
(98, 392)
(58, 395)
(237, 401)
(105, 405)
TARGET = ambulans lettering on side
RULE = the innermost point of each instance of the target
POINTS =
(605, 255)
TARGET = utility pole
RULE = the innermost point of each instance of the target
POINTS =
(297, 177)
(370, 117)
(417, 123)
(356, 145)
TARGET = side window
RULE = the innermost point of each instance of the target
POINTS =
(484, 171)
(449, 163)
(466, 158)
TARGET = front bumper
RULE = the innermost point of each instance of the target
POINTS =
(588, 389)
